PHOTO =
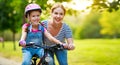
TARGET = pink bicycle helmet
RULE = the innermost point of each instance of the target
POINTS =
(32, 7)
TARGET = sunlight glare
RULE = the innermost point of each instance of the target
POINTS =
(80, 4)
(110, 1)
(50, 2)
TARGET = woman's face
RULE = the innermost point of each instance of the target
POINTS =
(35, 17)
(57, 15)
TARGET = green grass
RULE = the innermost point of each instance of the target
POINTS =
(95, 52)
(8, 51)
(87, 52)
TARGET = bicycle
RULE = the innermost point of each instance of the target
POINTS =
(46, 58)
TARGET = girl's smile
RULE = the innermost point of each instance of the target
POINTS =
(34, 17)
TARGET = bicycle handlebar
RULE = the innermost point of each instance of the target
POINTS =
(55, 46)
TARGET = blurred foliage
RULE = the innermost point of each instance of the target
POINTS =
(62, 0)
(75, 22)
(11, 16)
(110, 23)
(4, 15)
(91, 26)
(105, 4)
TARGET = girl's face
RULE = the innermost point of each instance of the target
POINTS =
(35, 17)
(57, 15)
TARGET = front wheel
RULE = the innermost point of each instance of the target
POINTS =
(33, 63)
(43, 63)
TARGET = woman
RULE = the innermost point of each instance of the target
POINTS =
(61, 31)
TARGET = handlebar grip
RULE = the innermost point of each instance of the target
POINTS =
(30, 44)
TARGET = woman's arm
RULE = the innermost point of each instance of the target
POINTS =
(71, 45)
(51, 38)
(69, 38)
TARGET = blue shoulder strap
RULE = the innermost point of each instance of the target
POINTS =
(30, 28)
(42, 29)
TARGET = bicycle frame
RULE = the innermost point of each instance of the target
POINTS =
(46, 58)
(34, 59)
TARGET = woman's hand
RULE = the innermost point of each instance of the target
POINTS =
(71, 46)
(65, 45)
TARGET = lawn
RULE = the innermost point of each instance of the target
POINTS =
(87, 52)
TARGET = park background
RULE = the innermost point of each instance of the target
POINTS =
(95, 25)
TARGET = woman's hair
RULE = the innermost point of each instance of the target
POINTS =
(57, 5)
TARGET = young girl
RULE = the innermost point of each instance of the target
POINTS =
(32, 32)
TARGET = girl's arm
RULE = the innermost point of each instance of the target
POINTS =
(23, 37)
(24, 34)
(51, 38)
(22, 41)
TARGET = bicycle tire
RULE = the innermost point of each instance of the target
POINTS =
(43, 62)
(32, 63)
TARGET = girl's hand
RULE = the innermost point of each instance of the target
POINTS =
(22, 43)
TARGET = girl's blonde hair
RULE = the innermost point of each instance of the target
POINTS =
(57, 5)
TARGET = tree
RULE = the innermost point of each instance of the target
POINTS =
(4, 17)
(110, 23)
(16, 17)
(91, 27)
(11, 16)
(104, 4)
